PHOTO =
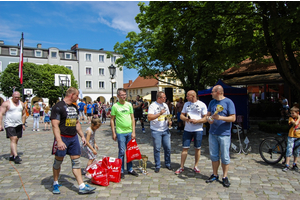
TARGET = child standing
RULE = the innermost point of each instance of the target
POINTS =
(293, 139)
(88, 151)
(36, 116)
(47, 114)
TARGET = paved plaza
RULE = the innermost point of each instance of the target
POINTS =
(250, 177)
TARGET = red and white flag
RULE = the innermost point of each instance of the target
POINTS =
(21, 61)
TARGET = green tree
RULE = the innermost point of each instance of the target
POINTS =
(38, 77)
(186, 40)
(198, 40)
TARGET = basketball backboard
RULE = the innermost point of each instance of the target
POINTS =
(28, 91)
(62, 80)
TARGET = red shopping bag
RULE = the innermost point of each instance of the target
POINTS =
(94, 167)
(133, 151)
(113, 166)
(100, 177)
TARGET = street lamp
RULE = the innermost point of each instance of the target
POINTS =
(112, 72)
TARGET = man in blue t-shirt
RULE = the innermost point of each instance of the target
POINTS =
(220, 132)
(81, 105)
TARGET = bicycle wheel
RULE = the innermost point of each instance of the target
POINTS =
(271, 150)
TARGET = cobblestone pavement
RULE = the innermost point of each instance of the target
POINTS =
(250, 177)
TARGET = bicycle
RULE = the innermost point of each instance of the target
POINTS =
(273, 149)
(240, 148)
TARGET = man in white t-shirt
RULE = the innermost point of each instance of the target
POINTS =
(194, 114)
(157, 114)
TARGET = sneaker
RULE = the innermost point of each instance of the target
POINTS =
(212, 178)
(178, 171)
(11, 158)
(33, 129)
(17, 160)
(133, 173)
(169, 167)
(225, 182)
(196, 170)
(156, 170)
(295, 167)
(86, 190)
(286, 168)
(37, 129)
(122, 176)
(143, 129)
(56, 189)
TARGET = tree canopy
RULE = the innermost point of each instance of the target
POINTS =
(196, 41)
(38, 77)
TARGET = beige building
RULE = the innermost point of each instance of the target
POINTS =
(144, 86)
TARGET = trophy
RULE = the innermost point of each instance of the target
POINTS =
(169, 118)
(218, 109)
(143, 164)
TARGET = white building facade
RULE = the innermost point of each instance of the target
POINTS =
(89, 67)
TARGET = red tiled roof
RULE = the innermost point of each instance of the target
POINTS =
(141, 82)
(125, 86)
(250, 67)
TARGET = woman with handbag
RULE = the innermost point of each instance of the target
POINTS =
(36, 116)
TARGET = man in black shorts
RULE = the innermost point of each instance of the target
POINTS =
(66, 126)
(138, 111)
(14, 123)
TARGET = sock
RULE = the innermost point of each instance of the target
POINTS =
(81, 186)
(55, 182)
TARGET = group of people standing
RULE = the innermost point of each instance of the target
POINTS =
(66, 126)
(96, 110)
(194, 113)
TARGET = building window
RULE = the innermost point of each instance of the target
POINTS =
(169, 80)
(101, 84)
(53, 54)
(67, 56)
(101, 71)
(163, 89)
(38, 53)
(88, 71)
(13, 51)
(101, 58)
(179, 90)
(69, 67)
(88, 57)
(141, 91)
(174, 90)
(88, 84)
(133, 91)
(113, 59)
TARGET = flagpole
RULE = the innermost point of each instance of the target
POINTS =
(21, 65)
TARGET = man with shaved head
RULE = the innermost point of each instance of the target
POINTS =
(220, 133)
(194, 115)
(14, 123)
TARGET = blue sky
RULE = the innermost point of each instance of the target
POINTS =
(61, 24)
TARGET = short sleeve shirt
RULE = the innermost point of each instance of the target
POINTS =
(67, 116)
(196, 111)
(160, 123)
(220, 127)
(123, 117)
(294, 130)
(81, 106)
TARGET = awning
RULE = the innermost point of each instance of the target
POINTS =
(148, 97)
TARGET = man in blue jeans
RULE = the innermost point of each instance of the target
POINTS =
(194, 114)
(122, 111)
(220, 133)
(157, 114)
